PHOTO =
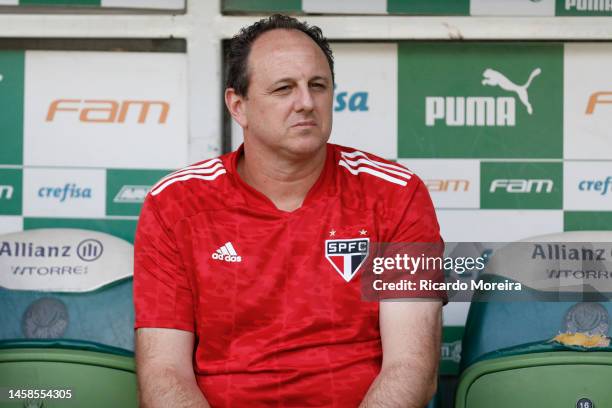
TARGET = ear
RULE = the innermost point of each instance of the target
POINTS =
(236, 106)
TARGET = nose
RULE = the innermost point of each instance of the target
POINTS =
(303, 99)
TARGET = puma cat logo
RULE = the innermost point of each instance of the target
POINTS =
(496, 78)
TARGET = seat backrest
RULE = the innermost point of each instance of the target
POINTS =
(494, 323)
(66, 285)
(75, 378)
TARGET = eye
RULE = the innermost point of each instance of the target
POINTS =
(282, 89)
(318, 85)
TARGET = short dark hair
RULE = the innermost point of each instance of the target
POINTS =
(237, 76)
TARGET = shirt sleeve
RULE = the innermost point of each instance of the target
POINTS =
(162, 292)
(414, 230)
(413, 217)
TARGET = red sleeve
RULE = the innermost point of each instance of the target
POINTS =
(414, 230)
(162, 292)
(413, 217)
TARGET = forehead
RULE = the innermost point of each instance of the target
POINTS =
(286, 53)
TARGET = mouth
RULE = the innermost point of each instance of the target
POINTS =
(305, 123)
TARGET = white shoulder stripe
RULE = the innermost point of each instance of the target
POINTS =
(186, 170)
(357, 153)
(356, 163)
(207, 163)
(209, 170)
(380, 174)
(187, 177)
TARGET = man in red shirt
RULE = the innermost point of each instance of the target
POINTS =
(247, 267)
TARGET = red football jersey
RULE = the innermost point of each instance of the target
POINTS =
(275, 306)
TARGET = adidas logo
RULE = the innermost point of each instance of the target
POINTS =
(227, 253)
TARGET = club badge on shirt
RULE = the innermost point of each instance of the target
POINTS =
(347, 255)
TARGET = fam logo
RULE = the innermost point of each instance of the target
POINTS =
(451, 351)
(131, 194)
(347, 255)
(351, 101)
(522, 185)
(600, 186)
(588, 5)
(68, 192)
(601, 97)
(481, 110)
(447, 185)
(6, 192)
(109, 111)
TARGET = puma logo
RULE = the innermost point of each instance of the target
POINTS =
(496, 78)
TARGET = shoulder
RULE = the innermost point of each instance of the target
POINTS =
(369, 173)
(200, 173)
(393, 191)
(198, 187)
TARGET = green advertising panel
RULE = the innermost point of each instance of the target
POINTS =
(587, 220)
(450, 355)
(279, 6)
(583, 8)
(11, 182)
(11, 106)
(521, 185)
(124, 229)
(126, 189)
(480, 100)
(438, 7)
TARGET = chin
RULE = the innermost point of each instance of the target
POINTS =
(306, 144)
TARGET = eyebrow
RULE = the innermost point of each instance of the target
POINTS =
(288, 79)
(318, 77)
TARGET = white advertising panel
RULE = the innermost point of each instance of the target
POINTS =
(63, 260)
(70, 193)
(587, 186)
(365, 98)
(587, 101)
(9, 2)
(237, 137)
(451, 183)
(151, 4)
(344, 6)
(105, 109)
(497, 225)
(455, 313)
(10, 223)
(512, 7)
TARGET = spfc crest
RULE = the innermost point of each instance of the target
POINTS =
(347, 255)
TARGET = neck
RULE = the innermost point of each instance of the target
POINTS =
(285, 180)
